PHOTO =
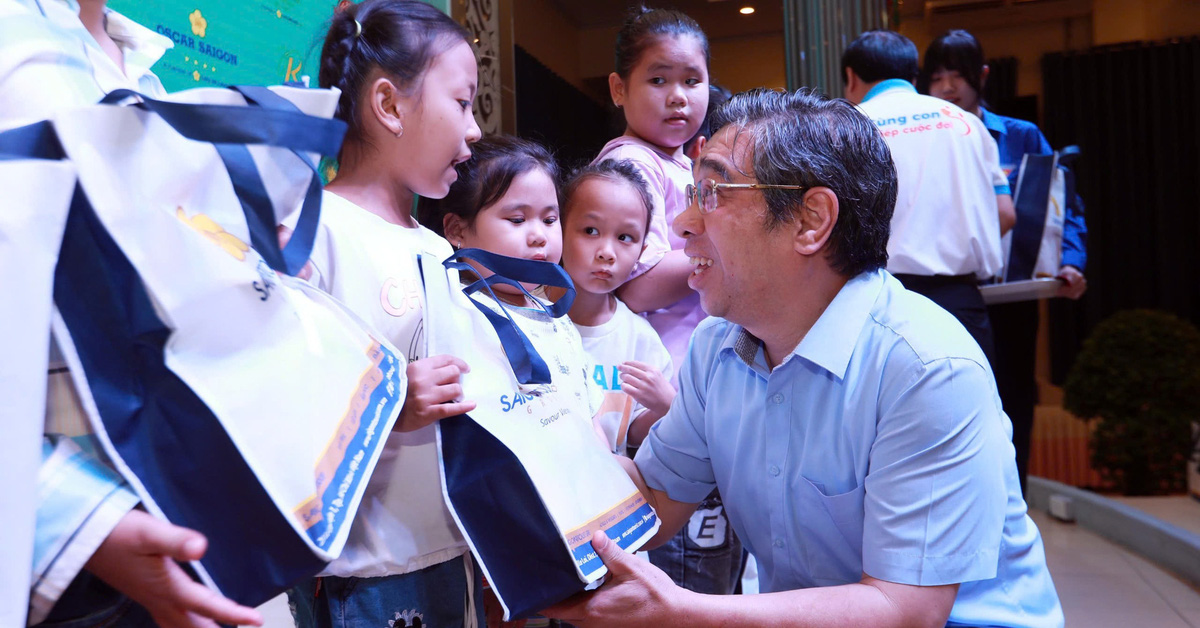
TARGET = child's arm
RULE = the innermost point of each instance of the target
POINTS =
(434, 392)
(649, 387)
(661, 286)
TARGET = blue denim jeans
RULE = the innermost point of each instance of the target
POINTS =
(705, 556)
(435, 596)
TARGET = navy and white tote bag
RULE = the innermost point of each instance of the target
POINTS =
(236, 399)
(524, 474)
(1033, 248)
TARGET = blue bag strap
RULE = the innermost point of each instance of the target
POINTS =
(34, 141)
(291, 258)
(514, 271)
(1032, 201)
(236, 124)
(260, 212)
(527, 365)
(270, 120)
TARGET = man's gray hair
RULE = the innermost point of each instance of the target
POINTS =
(803, 138)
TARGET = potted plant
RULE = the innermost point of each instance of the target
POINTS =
(1138, 377)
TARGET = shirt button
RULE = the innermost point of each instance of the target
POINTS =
(774, 470)
(777, 398)
(778, 542)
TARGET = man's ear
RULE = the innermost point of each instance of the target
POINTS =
(616, 89)
(388, 105)
(851, 83)
(983, 74)
(454, 227)
(818, 215)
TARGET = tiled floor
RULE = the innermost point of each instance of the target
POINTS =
(1101, 585)
(1179, 510)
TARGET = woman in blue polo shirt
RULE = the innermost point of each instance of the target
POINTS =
(954, 71)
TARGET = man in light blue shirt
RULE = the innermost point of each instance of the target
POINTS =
(852, 426)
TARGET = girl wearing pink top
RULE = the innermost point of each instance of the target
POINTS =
(661, 85)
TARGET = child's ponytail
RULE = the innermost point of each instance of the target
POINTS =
(400, 37)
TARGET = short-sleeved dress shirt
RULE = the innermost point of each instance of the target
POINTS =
(877, 446)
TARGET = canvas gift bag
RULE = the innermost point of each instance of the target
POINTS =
(525, 475)
(237, 400)
(1033, 248)
(37, 194)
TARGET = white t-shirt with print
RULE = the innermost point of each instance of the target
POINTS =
(370, 265)
(624, 337)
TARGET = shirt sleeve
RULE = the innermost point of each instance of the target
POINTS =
(657, 244)
(1074, 244)
(44, 68)
(991, 160)
(80, 501)
(936, 491)
(674, 457)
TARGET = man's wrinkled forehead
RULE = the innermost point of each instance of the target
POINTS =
(727, 154)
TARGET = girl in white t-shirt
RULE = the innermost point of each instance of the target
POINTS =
(606, 215)
(408, 76)
(506, 202)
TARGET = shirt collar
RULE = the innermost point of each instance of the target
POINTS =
(831, 341)
(142, 46)
(993, 121)
(888, 85)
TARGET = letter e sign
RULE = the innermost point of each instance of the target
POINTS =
(707, 527)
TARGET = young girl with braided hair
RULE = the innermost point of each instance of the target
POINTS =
(408, 76)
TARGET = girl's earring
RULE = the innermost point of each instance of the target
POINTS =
(400, 132)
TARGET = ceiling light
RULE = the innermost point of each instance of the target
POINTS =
(746, 10)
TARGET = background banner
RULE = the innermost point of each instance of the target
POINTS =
(237, 42)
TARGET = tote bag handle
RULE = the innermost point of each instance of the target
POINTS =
(527, 365)
(270, 120)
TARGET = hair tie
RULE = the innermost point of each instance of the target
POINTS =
(357, 29)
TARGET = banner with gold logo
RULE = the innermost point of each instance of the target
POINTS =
(237, 42)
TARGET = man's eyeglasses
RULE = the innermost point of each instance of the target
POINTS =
(707, 191)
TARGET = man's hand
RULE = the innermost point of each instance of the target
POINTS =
(636, 593)
(138, 559)
(434, 392)
(647, 386)
(1075, 283)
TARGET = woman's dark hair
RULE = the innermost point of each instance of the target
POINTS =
(400, 37)
(495, 162)
(956, 50)
(620, 170)
(643, 25)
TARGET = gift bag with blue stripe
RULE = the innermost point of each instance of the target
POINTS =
(237, 400)
(1033, 248)
(525, 475)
